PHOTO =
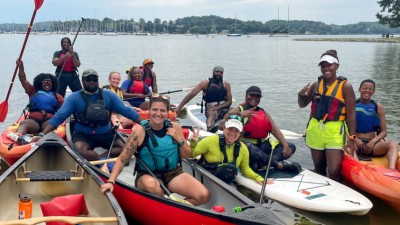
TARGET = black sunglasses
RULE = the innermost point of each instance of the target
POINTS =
(90, 79)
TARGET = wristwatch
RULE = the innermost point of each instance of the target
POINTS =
(181, 143)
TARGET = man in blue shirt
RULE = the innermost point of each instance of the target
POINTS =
(92, 108)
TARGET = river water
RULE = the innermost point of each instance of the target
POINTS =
(280, 66)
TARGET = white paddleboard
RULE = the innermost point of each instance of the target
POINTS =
(313, 192)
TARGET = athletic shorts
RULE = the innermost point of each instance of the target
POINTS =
(329, 135)
(164, 177)
(95, 140)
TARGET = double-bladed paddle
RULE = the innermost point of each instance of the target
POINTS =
(4, 105)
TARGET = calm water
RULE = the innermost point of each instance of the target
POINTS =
(279, 65)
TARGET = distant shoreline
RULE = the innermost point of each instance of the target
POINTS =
(374, 40)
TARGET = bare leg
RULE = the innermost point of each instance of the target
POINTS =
(84, 149)
(197, 194)
(319, 159)
(334, 162)
(212, 117)
(149, 184)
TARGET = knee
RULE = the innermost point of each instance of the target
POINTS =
(203, 196)
(335, 174)
(149, 184)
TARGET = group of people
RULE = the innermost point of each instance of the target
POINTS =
(244, 144)
(340, 122)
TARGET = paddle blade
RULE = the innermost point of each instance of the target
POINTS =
(38, 4)
(3, 111)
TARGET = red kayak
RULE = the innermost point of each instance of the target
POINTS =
(373, 178)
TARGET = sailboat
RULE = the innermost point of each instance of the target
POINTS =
(234, 34)
(213, 30)
(188, 33)
(280, 32)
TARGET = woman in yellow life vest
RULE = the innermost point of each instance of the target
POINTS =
(332, 124)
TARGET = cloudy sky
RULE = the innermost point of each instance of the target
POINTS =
(337, 12)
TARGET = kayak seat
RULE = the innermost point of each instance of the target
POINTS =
(50, 176)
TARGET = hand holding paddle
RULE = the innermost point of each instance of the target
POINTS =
(4, 105)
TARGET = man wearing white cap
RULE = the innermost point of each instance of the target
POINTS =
(223, 154)
(332, 124)
(216, 95)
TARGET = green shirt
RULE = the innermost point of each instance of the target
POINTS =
(209, 148)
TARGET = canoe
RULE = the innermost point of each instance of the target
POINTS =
(310, 191)
(146, 208)
(373, 178)
(11, 151)
(199, 119)
(54, 175)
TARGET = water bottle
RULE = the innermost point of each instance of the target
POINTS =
(13, 136)
(24, 207)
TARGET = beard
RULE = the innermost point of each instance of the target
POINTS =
(90, 88)
(217, 77)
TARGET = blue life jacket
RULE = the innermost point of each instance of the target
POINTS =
(161, 154)
(43, 101)
(367, 117)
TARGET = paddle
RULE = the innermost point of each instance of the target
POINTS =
(73, 42)
(65, 219)
(165, 189)
(265, 178)
(4, 105)
(167, 92)
(104, 168)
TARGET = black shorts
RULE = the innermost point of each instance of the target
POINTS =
(95, 140)
(360, 151)
(164, 177)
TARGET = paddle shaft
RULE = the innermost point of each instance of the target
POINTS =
(265, 178)
(165, 189)
(163, 93)
(65, 219)
(73, 42)
(111, 146)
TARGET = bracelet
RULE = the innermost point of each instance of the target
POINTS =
(111, 182)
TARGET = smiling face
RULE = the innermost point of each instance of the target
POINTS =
(65, 43)
(158, 112)
(328, 70)
(136, 74)
(367, 89)
(47, 84)
(232, 134)
(252, 100)
(217, 74)
(114, 79)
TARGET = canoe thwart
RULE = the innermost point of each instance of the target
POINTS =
(50, 176)
(66, 219)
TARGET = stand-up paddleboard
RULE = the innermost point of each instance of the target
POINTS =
(310, 191)
(199, 119)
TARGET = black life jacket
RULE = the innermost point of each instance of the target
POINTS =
(215, 92)
(95, 113)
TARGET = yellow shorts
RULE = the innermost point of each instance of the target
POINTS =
(331, 135)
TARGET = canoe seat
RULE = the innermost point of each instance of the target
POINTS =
(50, 176)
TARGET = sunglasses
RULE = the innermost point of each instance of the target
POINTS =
(47, 81)
(236, 117)
(157, 95)
(91, 79)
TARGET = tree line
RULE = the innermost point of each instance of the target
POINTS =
(203, 25)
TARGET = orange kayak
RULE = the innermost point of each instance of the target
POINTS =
(374, 177)
(145, 114)
(11, 151)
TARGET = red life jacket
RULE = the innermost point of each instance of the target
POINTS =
(258, 125)
(69, 65)
(137, 87)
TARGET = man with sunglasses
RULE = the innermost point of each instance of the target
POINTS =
(92, 108)
(217, 96)
(258, 124)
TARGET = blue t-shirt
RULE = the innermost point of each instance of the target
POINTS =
(75, 104)
(135, 101)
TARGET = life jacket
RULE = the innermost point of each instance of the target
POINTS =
(147, 80)
(95, 113)
(367, 117)
(159, 154)
(69, 65)
(117, 90)
(215, 92)
(329, 105)
(136, 87)
(43, 101)
(258, 125)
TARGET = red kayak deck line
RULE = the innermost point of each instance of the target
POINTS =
(373, 178)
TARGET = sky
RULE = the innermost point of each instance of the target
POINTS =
(339, 12)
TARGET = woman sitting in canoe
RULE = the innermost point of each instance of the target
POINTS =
(165, 138)
(371, 126)
(148, 75)
(44, 100)
(224, 154)
(135, 91)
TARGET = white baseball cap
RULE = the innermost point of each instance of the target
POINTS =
(234, 123)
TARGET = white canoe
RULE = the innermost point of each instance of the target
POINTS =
(312, 192)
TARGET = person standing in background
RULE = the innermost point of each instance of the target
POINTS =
(332, 125)
(67, 61)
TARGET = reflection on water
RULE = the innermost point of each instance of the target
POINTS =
(386, 74)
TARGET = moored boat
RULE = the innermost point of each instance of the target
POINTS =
(373, 178)
(11, 150)
(150, 209)
(60, 185)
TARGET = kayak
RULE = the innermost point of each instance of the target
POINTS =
(61, 188)
(145, 114)
(373, 178)
(199, 119)
(149, 209)
(11, 150)
(310, 191)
